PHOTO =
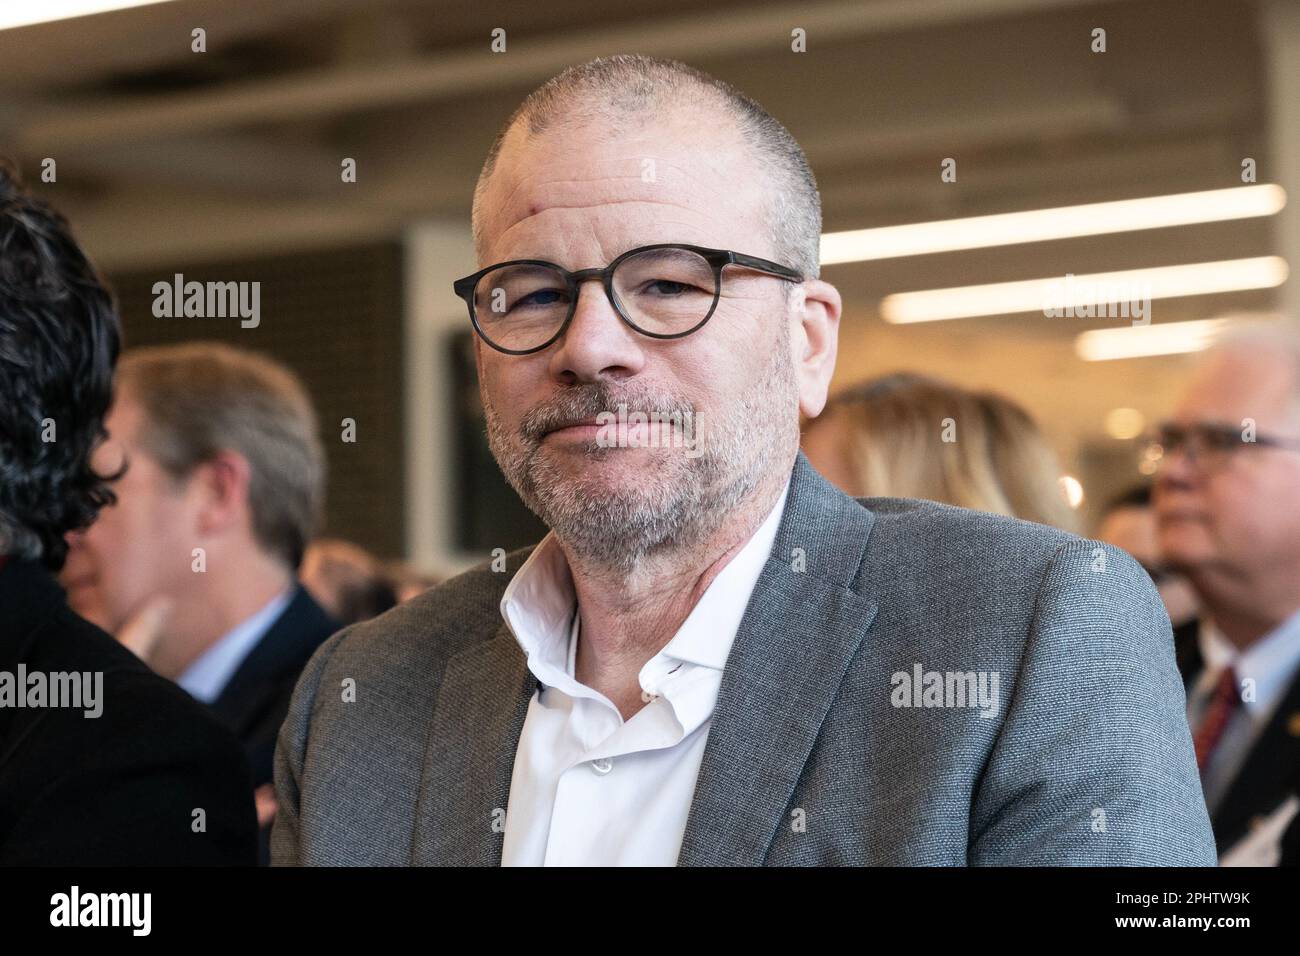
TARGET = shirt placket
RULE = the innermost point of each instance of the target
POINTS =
(582, 806)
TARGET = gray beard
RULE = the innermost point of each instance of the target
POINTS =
(683, 499)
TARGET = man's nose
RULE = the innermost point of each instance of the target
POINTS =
(1177, 470)
(597, 343)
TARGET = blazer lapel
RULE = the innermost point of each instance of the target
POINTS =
(469, 759)
(279, 655)
(804, 623)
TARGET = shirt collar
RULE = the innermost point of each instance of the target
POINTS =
(208, 676)
(538, 606)
(706, 636)
(1270, 662)
(539, 601)
(1216, 650)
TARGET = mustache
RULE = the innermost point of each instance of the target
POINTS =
(586, 402)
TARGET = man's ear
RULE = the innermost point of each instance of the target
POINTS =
(815, 307)
(222, 484)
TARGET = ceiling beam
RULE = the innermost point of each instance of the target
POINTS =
(348, 89)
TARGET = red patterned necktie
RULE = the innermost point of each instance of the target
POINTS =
(1227, 698)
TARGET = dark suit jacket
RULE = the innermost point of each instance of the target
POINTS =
(121, 788)
(254, 702)
(1187, 651)
(1291, 839)
(1268, 775)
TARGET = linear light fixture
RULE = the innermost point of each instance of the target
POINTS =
(22, 13)
(1033, 295)
(1172, 338)
(1062, 222)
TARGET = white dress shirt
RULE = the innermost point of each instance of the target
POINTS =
(588, 788)
(1271, 663)
(208, 676)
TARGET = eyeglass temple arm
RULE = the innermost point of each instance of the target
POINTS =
(1269, 441)
(764, 265)
(1187, 446)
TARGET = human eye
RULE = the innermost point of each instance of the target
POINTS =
(1221, 437)
(668, 287)
(541, 298)
(666, 274)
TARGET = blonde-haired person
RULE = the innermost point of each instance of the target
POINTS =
(910, 436)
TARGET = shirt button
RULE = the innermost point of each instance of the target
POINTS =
(602, 766)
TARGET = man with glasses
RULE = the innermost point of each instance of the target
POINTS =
(716, 657)
(1227, 499)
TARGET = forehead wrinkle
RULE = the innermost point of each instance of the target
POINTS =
(523, 181)
(502, 238)
(725, 171)
(547, 207)
(735, 148)
(724, 174)
(608, 195)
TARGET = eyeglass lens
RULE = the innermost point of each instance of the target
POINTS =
(660, 291)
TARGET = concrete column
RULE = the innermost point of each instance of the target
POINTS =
(437, 253)
(1280, 33)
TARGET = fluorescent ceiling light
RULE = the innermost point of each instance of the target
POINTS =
(1173, 338)
(1063, 222)
(21, 13)
(1033, 295)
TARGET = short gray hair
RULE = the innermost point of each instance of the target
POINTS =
(1280, 337)
(616, 89)
(200, 398)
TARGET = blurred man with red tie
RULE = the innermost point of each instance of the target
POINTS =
(1227, 500)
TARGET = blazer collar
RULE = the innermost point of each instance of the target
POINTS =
(805, 621)
(1266, 777)
(470, 755)
(278, 655)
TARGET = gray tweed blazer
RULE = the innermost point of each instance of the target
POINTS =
(912, 684)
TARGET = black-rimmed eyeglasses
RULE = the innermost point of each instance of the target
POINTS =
(665, 291)
(1210, 444)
